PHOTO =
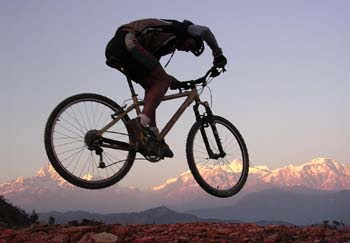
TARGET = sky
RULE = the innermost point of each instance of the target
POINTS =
(285, 87)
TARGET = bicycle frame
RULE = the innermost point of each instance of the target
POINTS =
(191, 96)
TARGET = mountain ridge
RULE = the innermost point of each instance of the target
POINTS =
(48, 191)
(157, 215)
(275, 204)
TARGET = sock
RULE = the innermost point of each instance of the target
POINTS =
(144, 120)
(155, 130)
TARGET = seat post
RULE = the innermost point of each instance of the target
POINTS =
(114, 62)
(133, 95)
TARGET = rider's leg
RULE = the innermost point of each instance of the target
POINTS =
(154, 92)
(151, 117)
(156, 85)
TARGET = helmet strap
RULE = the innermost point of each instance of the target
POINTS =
(170, 59)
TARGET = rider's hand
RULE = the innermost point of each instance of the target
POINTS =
(175, 84)
(220, 61)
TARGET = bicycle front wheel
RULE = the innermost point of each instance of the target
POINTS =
(69, 135)
(220, 173)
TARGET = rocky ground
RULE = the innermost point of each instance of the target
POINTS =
(171, 233)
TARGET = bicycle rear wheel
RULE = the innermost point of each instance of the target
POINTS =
(221, 176)
(71, 128)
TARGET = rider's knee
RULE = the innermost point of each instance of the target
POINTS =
(159, 75)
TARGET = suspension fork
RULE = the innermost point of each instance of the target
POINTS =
(207, 120)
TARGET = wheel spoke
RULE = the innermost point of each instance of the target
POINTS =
(77, 162)
(67, 136)
(85, 129)
(111, 158)
(63, 144)
(70, 150)
(79, 129)
(69, 130)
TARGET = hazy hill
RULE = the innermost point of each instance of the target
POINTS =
(276, 204)
(159, 215)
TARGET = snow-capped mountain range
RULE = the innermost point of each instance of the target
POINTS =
(320, 173)
(47, 191)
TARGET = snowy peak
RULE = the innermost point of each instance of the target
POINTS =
(259, 170)
(49, 173)
(183, 179)
(46, 179)
(325, 165)
(320, 173)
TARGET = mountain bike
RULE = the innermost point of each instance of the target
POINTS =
(89, 145)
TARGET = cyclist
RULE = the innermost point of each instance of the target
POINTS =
(138, 47)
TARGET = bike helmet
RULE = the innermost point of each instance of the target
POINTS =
(199, 48)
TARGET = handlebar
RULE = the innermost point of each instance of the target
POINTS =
(212, 72)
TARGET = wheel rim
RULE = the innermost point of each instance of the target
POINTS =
(225, 174)
(68, 140)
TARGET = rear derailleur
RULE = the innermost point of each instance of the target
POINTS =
(93, 143)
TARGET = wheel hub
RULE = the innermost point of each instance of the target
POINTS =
(91, 139)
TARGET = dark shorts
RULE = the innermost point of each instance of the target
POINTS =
(137, 61)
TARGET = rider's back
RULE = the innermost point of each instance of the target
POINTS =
(158, 36)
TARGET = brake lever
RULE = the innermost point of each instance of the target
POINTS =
(215, 71)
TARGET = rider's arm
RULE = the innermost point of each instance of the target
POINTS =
(205, 34)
